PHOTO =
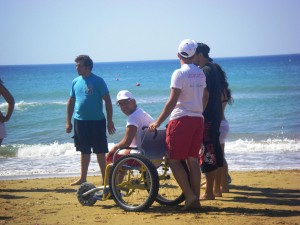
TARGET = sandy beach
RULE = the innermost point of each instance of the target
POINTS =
(260, 197)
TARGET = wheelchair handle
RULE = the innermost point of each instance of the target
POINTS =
(155, 131)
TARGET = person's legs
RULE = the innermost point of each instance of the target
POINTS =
(217, 182)
(98, 141)
(224, 130)
(183, 181)
(102, 164)
(211, 158)
(195, 176)
(183, 139)
(224, 173)
(219, 161)
(210, 177)
(85, 161)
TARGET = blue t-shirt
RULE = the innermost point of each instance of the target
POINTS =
(88, 93)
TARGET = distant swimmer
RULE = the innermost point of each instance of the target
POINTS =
(138, 84)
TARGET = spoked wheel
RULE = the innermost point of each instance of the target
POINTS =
(134, 182)
(86, 200)
(169, 192)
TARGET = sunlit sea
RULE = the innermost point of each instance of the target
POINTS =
(264, 118)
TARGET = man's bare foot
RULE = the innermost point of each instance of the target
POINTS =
(190, 202)
(217, 194)
(225, 190)
(196, 205)
(207, 197)
(78, 182)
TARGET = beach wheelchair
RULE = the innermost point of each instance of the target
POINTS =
(137, 180)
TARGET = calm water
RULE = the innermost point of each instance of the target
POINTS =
(264, 118)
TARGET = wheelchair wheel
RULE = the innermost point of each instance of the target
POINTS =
(134, 182)
(169, 192)
(87, 200)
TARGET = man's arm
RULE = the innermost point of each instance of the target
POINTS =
(170, 105)
(10, 101)
(109, 113)
(127, 139)
(205, 98)
(70, 110)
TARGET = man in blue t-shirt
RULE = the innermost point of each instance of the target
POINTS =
(86, 103)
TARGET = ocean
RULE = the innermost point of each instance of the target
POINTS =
(264, 117)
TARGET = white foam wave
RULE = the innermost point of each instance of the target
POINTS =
(270, 145)
(22, 105)
(55, 159)
(47, 150)
(58, 103)
(239, 146)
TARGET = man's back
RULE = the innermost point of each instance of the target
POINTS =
(191, 81)
(213, 110)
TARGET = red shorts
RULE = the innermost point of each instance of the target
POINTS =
(109, 159)
(131, 162)
(184, 137)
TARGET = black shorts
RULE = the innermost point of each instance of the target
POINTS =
(211, 156)
(90, 134)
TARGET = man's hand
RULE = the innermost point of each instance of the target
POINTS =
(69, 127)
(111, 127)
(153, 126)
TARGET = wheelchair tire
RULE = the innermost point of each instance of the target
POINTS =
(88, 200)
(169, 192)
(134, 182)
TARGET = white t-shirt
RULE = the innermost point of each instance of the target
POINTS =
(191, 80)
(139, 118)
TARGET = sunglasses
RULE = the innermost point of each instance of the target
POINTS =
(123, 102)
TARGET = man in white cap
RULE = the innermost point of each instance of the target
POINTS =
(185, 129)
(137, 119)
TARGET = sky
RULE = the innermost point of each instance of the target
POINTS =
(56, 31)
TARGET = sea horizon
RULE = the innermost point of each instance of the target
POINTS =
(148, 60)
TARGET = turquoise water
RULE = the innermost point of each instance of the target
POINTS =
(264, 118)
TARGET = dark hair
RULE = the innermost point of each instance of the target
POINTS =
(203, 48)
(88, 62)
(224, 84)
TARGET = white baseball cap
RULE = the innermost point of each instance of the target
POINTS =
(187, 48)
(124, 94)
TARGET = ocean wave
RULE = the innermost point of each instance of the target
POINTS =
(269, 145)
(55, 159)
(68, 149)
(22, 105)
(40, 150)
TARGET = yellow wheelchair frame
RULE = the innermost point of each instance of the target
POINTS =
(137, 180)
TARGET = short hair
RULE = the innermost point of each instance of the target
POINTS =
(88, 62)
(204, 49)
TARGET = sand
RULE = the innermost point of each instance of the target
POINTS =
(260, 197)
